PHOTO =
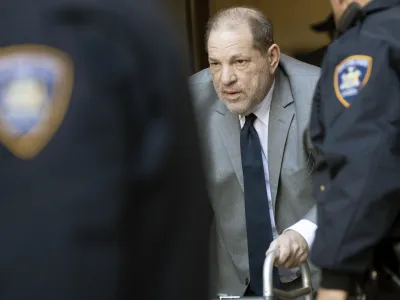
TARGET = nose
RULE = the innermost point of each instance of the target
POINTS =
(228, 75)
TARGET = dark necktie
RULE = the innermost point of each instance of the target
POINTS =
(258, 220)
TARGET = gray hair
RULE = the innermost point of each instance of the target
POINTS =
(260, 26)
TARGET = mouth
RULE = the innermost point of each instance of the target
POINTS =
(231, 94)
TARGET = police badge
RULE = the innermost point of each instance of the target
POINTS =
(35, 89)
(350, 76)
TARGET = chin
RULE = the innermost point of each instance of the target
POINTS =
(238, 110)
(238, 106)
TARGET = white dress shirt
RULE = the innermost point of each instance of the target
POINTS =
(304, 227)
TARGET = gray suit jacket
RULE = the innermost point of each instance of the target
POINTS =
(290, 165)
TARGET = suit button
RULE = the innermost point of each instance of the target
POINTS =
(322, 188)
(247, 281)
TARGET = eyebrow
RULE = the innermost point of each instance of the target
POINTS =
(232, 58)
(238, 56)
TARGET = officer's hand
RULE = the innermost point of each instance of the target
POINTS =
(293, 249)
(324, 294)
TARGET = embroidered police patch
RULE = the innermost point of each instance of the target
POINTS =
(35, 88)
(350, 76)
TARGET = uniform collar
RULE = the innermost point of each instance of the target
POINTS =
(355, 13)
(376, 5)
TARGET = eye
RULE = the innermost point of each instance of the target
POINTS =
(214, 64)
(240, 62)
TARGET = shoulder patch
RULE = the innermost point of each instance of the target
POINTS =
(35, 88)
(350, 76)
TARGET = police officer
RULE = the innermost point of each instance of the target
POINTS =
(355, 129)
(102, 191)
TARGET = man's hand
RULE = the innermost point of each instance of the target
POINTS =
(293, 249)
(324, 294)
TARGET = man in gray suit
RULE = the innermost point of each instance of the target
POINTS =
(252, 96)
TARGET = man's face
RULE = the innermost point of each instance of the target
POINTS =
(242, 75)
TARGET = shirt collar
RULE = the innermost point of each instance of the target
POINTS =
(262, 109)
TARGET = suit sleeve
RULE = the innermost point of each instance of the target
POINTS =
(307, 225)
(358, 207)
(169, 217)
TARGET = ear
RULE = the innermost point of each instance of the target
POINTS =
(274, 54)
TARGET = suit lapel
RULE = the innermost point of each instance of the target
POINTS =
(229, 131)
(281, 116)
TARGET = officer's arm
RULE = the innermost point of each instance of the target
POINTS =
(358, 207)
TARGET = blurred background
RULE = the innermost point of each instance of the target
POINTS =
(292, 20)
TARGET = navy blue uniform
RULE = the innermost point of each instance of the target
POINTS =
(102, 190)
(355, 129)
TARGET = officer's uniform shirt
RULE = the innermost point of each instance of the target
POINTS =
(355, 129)
(102, 191)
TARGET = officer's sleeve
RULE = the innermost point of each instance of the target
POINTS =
(359, 205)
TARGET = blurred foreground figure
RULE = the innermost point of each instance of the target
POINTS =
(102, 192)
(355, 129)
